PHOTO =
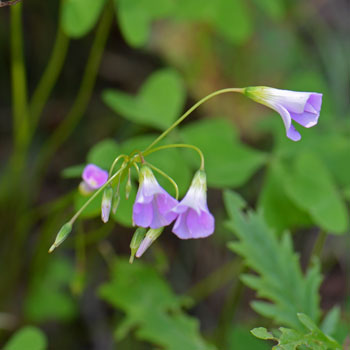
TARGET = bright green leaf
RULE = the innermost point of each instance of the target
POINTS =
(233, 20)
(278, 209)
(158, 103)
(73, 171)
(151, 308)
(80, 16)
(262, 333)
(136, 16)
(27, 338)
(290, 339)
(279, 277)
(311, 187)
(275, 9)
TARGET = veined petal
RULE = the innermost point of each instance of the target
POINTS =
(142, 214)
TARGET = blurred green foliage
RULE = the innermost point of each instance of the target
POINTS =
(151, 308)
(161, 56)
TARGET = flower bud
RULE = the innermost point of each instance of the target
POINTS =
(136, 241)
(151, 236)
(106, 203)
(128, 186)
(116, 201)
(61, 236)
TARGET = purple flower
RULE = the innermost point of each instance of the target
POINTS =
(194, 219)
(94, 177)
(302, 107)
(152, 207)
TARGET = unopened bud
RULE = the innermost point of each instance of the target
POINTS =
(151, 235)
(116, 201)
(106, 203)
(128, 186)
(136, 241)
(61, 236)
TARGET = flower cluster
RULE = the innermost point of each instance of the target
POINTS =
(154, 208)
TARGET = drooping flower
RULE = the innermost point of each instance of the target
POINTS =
(152, 207)
(93, 178)
(194, 219)
(302, 107)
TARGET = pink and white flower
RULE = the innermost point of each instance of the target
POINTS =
(194, 219)
(302, 107)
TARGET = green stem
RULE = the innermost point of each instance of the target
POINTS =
(116, 160)
(186, 114)
(215, 281)
(19, 86)
(318, 246)
(86, 88)
(178, 145)
(230, 307)
(49, 77)
(167, 177)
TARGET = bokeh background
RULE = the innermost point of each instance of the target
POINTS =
(83, 81)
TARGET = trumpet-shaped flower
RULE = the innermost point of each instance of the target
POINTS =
(94, 177)
(152, 207)
(302, 107)
(194, 219)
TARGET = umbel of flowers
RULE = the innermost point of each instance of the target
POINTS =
(154, 208)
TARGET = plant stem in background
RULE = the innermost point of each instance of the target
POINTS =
(84, 94)
(318, 246)
(49, 78)
(19, 91)
(218, 279)
(229, 309)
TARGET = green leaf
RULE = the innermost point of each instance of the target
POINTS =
(290, 339)
(80, 16)
(48, 298)
(240, 338)
(233, 20)
(73, 171)
(278, 209)
(262, 333)
(227, 162)
(312, 188)
(103, 153)
(27, 338)
(151, 308)
(275, 9)
(330, 322)
(279, 277)
(158, 103)
(93, 209)
(135, 18)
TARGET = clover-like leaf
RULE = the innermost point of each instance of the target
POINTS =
(80, 16)
(158, 103)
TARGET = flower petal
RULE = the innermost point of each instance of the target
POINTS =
(180, 227)
(142, 214)
(293, 134)
(200, 226)
(306, 119)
